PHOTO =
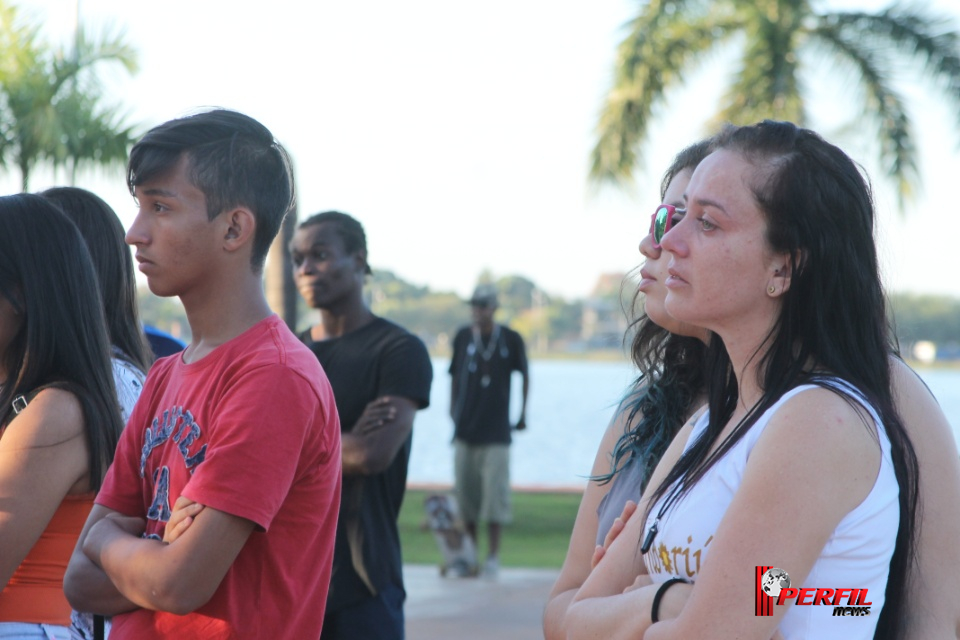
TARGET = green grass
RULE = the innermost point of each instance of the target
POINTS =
(538, 537)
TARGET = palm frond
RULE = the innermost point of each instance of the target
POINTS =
(90, 133)
(668, 36)
(51, 104)
(647, 67)
(927, 38)
(766, 84)
(88, 52)
(882, 105)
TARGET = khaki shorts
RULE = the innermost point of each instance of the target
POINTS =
(482, 481)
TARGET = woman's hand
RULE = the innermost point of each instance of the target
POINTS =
(612, 534)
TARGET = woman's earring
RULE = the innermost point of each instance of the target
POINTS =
(771, 289)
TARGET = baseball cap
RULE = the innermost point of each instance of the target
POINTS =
(485, 295)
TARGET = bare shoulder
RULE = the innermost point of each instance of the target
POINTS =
(51, 417)
(828, 439)
(934, 582)
(925, 423)
(922, 415)
(907, 384)
(823, 416)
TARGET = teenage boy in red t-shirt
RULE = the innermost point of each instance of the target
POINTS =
(235, 442)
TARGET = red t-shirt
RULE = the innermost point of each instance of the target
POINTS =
(252, 430)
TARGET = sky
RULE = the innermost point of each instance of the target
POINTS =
(459, 133)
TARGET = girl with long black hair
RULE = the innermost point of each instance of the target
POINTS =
(59, 417)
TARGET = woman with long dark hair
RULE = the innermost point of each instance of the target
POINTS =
(802, 462)
(103, 233)
(59, 418)
(668, 390)
(131, 356)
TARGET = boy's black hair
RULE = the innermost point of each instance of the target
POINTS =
(348, 227)
(233, 159)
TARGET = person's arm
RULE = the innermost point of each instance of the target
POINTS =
(577, 564)
(636, 603)
(43, 457)
(933, 583)
(453, 396)
(374, 441)
(178, 577)
(522, 420)
(621, 565)
(523, 367)
(564, 594)
(455, 381)
(829, 446)
(85, 585)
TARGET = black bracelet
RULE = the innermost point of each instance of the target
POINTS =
(655, 608)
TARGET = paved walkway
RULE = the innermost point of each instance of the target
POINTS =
(507, 608)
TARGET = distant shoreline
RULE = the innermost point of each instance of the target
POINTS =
(593, 355)
(937, 364)
(620, 355)
(444, 487)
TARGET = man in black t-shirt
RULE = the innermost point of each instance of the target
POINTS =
(381, 375)
(484, 356)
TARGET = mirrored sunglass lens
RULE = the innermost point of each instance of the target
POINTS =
(660, 224)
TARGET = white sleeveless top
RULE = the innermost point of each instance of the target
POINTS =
(857, 555)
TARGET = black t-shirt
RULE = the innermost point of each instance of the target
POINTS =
(378, 359)
(481, 383)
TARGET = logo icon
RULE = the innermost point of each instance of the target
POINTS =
(763, 599)
(773, 587)
(773, 581)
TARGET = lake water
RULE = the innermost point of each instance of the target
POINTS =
(570, 405)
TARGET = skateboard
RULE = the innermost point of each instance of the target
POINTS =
(459, 557)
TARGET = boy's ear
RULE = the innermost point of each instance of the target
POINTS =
(360, 260)
(239, 228)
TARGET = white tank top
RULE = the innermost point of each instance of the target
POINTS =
(857, 555)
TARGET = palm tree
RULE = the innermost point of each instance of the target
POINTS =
(90, 132)
(51, 105)
(779, 37)
(90, 136)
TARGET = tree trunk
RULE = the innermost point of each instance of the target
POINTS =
(280, 286)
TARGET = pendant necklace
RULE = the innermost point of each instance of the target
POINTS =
(487, 352)
(654, 528)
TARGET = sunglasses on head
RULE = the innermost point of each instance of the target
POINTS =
(660, 222)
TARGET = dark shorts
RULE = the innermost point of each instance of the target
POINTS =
(379, 618)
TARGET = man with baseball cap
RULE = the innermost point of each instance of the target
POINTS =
(485, 354)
